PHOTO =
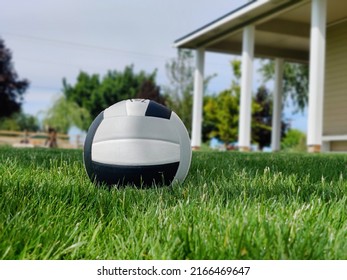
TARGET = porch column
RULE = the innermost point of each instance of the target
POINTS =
(277, 106)
(198, 98)
(317, 75)
(246, 88)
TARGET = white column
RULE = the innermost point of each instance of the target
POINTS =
(198, 98)
(317, 75)
(246, 88)
(277, 106)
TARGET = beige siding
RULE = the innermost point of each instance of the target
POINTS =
(335, 99)
(338, 146)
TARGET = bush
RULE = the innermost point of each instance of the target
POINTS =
(295, 140)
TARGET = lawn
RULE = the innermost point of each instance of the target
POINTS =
(231, 206)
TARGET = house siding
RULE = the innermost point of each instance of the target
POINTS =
(335, 100)
(338, 146)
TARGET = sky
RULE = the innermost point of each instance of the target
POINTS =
(51, 40)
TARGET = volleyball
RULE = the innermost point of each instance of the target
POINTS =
(137, 142)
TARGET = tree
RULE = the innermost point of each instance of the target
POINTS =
(11, 87)
(19, 122)
(64, 114)
(180, 72)
(149, 90)
(83, 92)
(224, 112)
(210, 118)
(295, 82)
(27, 122)
(221, 112)
(96, 94)
(179, 94)
(295, 140)
(262, 118)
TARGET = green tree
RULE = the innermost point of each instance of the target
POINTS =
(27, 122)
(226, 116)
(64, 114)
(83, 92)
(295, 82)
(221, 112)
(295, 140)
(19, 122)
(9, 124)
(11, 87)
(210, 119)
(221, 117)
(96, 94)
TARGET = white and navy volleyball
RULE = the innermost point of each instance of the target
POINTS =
(137, 142)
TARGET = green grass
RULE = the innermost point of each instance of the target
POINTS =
(231, 206)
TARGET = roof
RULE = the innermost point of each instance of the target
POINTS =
(282, 29)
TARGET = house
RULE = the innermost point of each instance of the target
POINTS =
(306, 31)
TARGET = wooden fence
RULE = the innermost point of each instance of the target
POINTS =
(31, 139)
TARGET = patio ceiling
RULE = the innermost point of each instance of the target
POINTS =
(282, 29)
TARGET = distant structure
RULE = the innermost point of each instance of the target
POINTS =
(30, 139)
(306, 31)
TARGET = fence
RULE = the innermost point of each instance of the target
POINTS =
(31, 139)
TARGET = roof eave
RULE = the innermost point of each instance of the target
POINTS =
(251, 12)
